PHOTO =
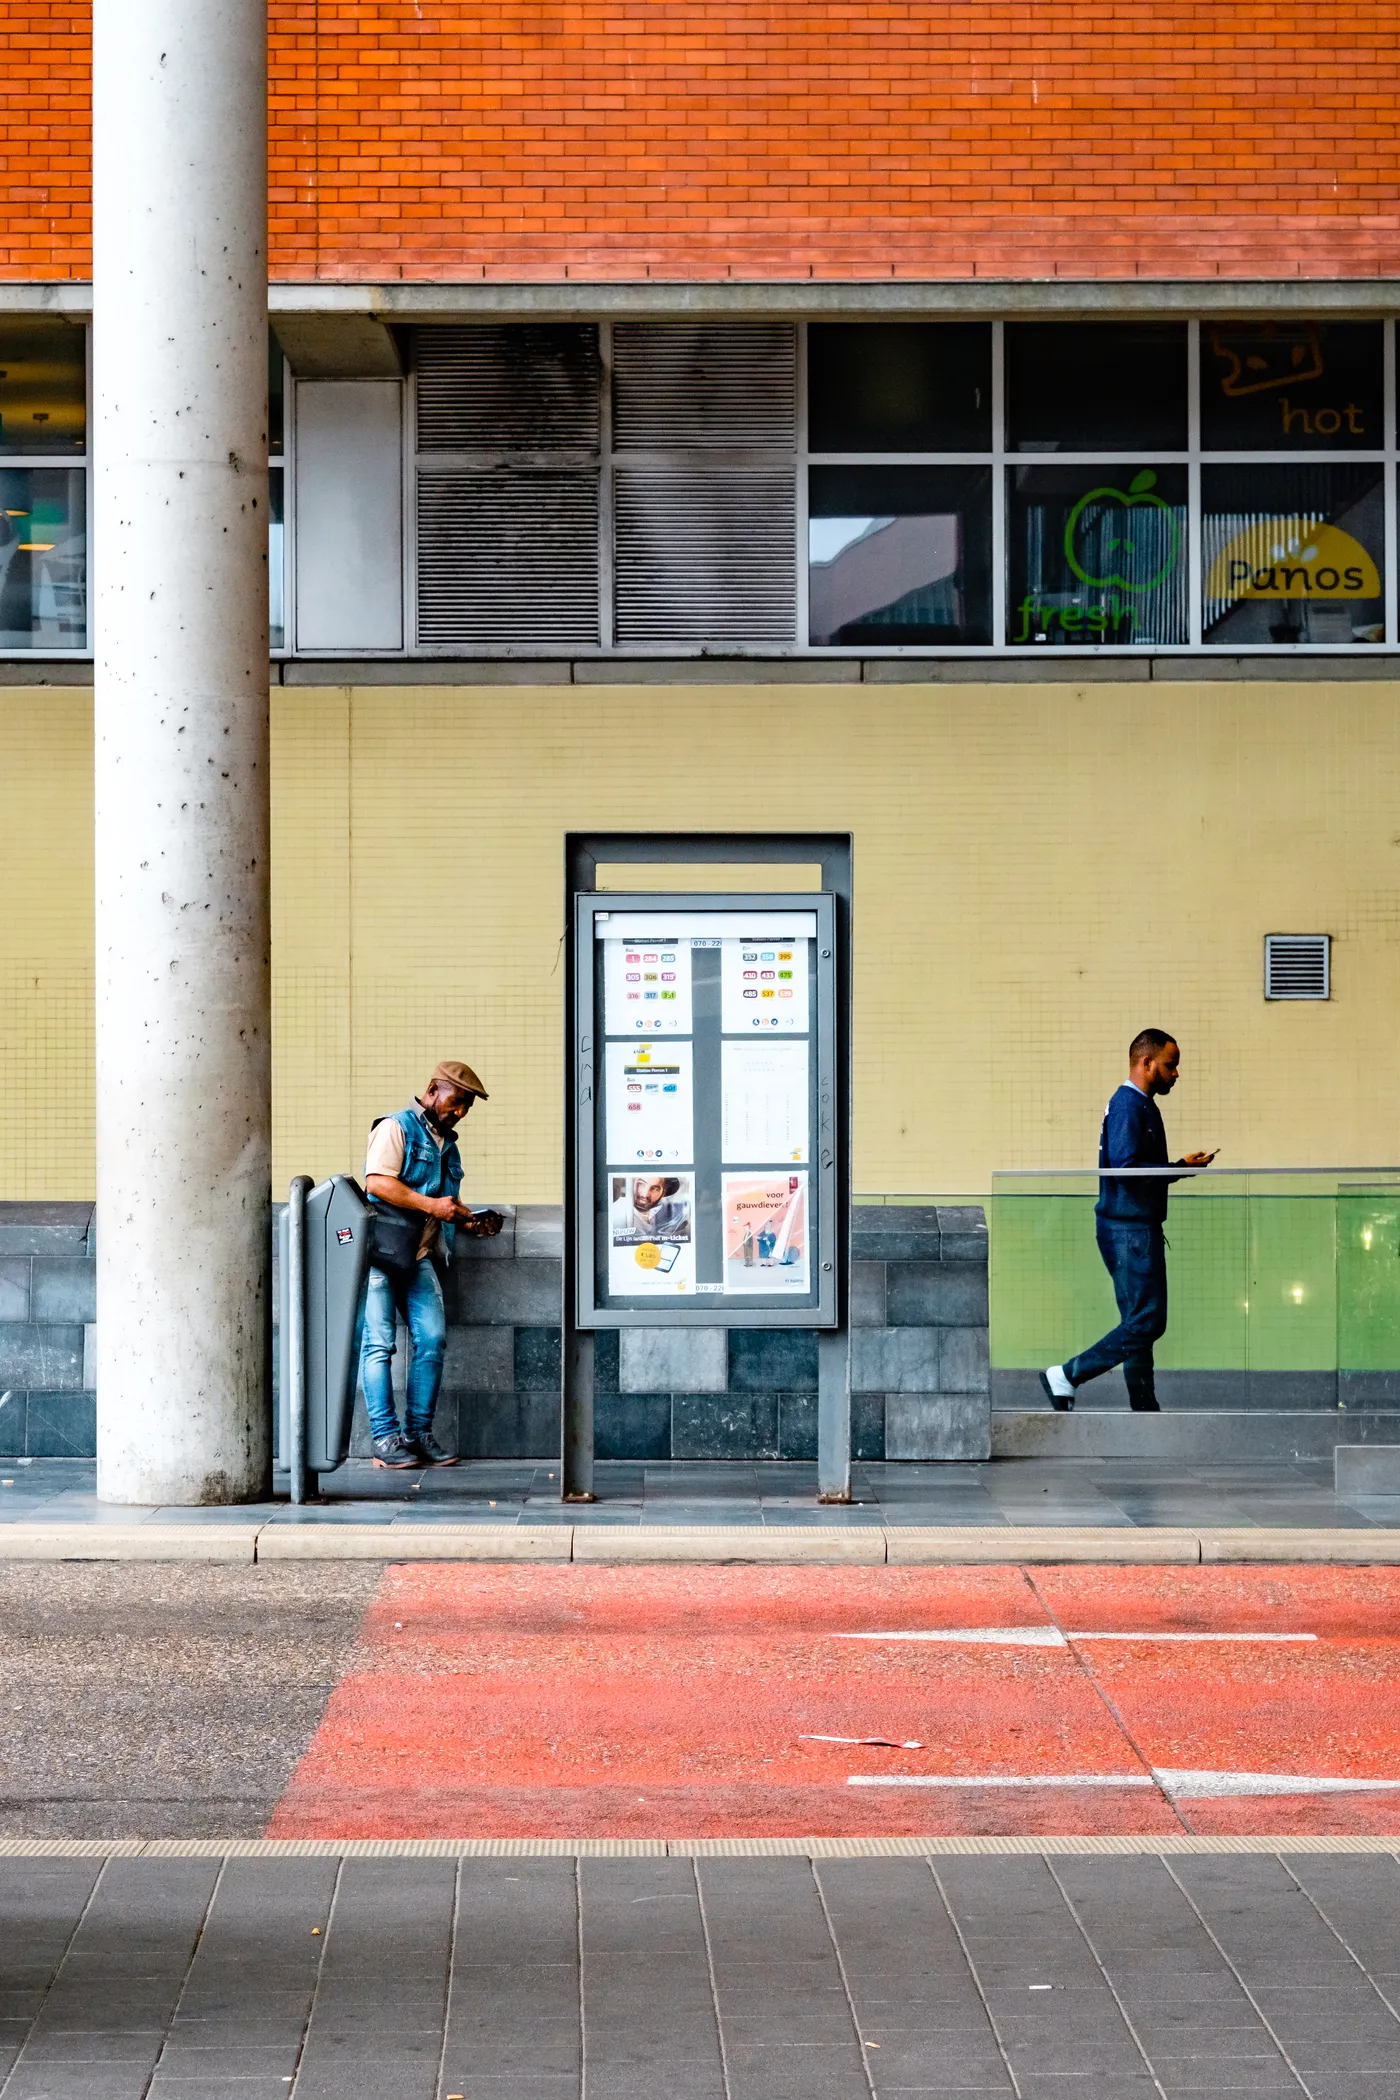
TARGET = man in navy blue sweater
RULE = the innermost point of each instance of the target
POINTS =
(1130, 1216)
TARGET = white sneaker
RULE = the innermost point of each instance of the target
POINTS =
(1057, 1388)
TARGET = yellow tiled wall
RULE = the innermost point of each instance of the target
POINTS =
(1040, 871)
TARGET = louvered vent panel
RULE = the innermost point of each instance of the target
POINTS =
(1297, 966)
(496, 388)
(704, 557)
(701, 385)
(508, 557)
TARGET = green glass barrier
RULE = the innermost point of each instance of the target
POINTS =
(1288, 1272)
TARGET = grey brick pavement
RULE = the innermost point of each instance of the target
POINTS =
(526, 1978)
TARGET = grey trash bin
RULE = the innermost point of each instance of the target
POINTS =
(337, 1258)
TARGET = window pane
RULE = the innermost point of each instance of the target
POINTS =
(276, 563)
(900, 554)
(1098, 554)
(1293, 554)
(899, 387)
(43, 558)
(274, 393)
(43, 387)
(1096, 386)
(1291, 386)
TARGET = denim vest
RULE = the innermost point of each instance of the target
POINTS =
(430, 1172)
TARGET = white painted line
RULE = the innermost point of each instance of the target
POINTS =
(1220, 1786)
(1191, 1636)
(994, 1636)
(1051, 1636)
(1177, 1785)
(1004, 1779)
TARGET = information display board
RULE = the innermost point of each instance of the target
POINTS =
(705, 1075)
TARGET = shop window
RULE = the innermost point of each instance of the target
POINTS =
(1292, 386)
(899, 387)
(276, 558)
(1096, 386)
(1293, 553)
(43, 501)
(43, 389)
(899, 555)
(1097, 555)
(43, 558)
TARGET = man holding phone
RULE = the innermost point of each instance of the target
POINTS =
(413, 1171)
(1131, 1217)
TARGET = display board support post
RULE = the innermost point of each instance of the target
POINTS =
(578, 1416)
(834, 1416)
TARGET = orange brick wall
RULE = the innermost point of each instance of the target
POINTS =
(840, 138)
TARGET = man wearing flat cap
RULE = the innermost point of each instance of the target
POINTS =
(413, 1166)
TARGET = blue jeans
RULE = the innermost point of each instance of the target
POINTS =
(1135, 1256)
(427, 1326)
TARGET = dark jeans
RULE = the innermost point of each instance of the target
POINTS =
(1135, 1256)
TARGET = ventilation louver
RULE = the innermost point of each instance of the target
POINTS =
(507, 388)
(1297, 966)
(508, 558)
(704, 557)
(677, 385)
(508, 424)
(705, 484)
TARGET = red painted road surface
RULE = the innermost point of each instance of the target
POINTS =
(675, 1702)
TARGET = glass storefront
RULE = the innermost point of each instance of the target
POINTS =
(1107, 495)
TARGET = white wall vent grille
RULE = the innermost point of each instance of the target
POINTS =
(1297, 966)
(508, 558)
(677, 385)
(489, 388)
(705, 556)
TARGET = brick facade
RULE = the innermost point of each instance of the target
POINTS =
(415, 139)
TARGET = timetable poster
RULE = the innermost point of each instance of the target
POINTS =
(651, 1235)
(763, 1102)
(650, 1103)
(646, 985)
(763, 986)
(765, 1233)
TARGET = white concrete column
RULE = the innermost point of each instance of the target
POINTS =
(180, 616)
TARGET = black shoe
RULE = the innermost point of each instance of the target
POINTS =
(394, 1450)
(1145, 1407)
(430, 1451)
(1062, 1403)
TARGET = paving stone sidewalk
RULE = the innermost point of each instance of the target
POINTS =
(1037, 1978)
(1119, 1494)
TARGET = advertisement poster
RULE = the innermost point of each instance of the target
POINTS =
(650, 1103)
(646, 985)
(765, 1232)
(764, 1102)
(763, 984)
(651, 1239)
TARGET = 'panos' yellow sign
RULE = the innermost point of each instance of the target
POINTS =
(1293, 558)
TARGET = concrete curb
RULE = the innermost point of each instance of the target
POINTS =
(198, 1541)
(481, 1542)
(600, 1545)
(1116, 1846)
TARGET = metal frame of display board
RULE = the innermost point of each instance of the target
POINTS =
(827, 1311)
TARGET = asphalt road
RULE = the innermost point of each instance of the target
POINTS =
(150, 1700)
(346, 1700)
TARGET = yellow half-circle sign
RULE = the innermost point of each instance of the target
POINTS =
(1293, 558)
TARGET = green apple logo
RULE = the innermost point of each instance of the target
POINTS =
(1118, 545)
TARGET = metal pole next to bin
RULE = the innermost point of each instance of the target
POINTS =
(296, 1333)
